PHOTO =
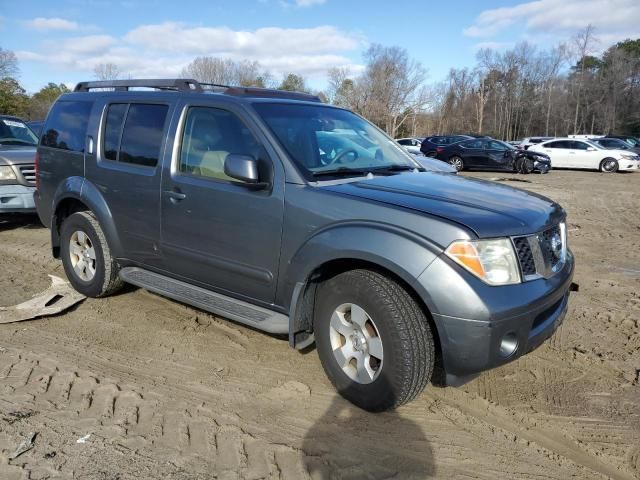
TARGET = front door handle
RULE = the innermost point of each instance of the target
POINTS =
(175, 196)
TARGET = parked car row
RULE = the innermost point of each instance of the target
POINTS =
(610, 153)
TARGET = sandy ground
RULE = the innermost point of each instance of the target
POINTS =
(167, 391)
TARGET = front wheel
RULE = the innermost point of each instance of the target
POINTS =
(609, 165)
(86, 256)
(373, 339)
(456, 162)
(524, 165)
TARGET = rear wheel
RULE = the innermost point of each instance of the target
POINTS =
(609, 165)
(456, 162)
(86, 256)
(374, 341)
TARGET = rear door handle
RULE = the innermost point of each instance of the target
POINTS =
(175, 196)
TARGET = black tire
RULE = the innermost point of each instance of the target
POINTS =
(609, 165)
(405, 334)
(105, 281)
(457, 163)
(524, 165)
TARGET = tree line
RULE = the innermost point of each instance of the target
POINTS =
(509, 94)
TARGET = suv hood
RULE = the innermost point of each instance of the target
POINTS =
(489, 209)
(17, 155)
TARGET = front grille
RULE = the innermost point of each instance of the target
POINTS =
(29, 173)
(542, 254)
(527, 264)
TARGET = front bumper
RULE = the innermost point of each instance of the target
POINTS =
(16, 198)
(542, 167)
(474, 320)
(626, 165)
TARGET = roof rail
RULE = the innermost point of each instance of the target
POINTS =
(191, 85)
(179, 84)
(271, 93)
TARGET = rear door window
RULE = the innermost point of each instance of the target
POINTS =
(475, 143)
(134, 132)
(66, 125)
(558, 144)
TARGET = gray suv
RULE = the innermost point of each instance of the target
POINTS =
(17, 165)
(302, 219)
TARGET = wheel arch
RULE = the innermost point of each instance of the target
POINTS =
(391, 251)
(77, 198)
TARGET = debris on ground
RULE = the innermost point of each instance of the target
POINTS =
(60, 296)
(509, 179)
(25, 445)
(84, 439)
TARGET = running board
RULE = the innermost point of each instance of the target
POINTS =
(231, 308)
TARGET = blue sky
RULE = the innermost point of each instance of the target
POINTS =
(62, 41)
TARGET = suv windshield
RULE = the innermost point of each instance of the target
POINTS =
(330, 141)
(15, 132)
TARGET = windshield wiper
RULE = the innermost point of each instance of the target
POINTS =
(342, 171)
(18, 142)
(397, 168)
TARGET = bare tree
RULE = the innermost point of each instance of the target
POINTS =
(583, 44)
(391, 88)
(227, 72)
(8, 64)
(107, 71)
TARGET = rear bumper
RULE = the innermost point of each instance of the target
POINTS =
(502, 324)
(16, 198)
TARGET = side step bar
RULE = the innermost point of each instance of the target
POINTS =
(231, 308)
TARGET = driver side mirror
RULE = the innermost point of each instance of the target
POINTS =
(243, 168)
(591, 149)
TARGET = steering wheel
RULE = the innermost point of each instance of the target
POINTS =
(342, 154)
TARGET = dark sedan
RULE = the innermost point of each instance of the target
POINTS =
(616, 144)
(431, 144)
(491, 154)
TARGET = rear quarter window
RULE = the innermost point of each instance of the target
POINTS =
(66, 125)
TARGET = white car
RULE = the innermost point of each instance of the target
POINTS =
(411, 145)
(577, 153)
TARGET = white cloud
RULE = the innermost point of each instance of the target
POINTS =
(54, 23)
(309, 3)
(176, 37)
(613, 19)
(165, 49)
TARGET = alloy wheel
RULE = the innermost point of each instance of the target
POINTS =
(82, 255)
(356, 343)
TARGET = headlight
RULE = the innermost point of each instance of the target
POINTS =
(6, 173)
(493, 261)
(629, 157)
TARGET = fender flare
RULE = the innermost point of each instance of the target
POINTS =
(80, 189)
(401, 252)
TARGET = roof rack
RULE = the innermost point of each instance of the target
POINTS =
(191, 85)
(179, 84)
(270, 93)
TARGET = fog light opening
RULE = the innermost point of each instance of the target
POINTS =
(508, 345)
